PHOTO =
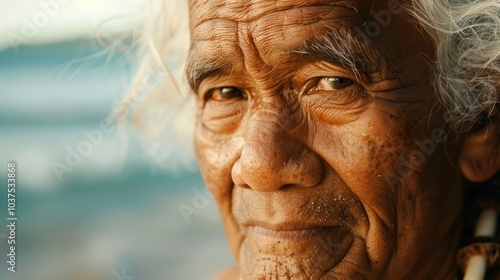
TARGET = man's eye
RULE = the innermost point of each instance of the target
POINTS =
(225, 93)
(334, 83)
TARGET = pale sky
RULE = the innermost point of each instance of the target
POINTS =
(40, 21)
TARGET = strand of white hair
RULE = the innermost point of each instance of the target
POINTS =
(467, 70)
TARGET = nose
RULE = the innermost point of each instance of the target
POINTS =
(272, 158)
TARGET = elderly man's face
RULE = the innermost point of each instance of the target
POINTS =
(319, 135)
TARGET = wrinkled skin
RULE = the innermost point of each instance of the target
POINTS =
(317, 168)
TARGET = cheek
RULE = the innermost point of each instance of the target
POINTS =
(367, 156)
(383, 144)
(363, 154)
(216, 156)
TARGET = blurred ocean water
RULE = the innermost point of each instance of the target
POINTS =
(115, 214)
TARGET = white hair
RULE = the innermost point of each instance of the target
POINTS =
(162, 110)
(466, 35)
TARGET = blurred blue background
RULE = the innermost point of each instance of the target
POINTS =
(115, 214)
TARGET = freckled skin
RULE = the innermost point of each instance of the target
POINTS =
(289, 154)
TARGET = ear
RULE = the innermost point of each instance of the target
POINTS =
(480, 155)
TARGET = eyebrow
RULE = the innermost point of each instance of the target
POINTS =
(200, 68)
(351, 50)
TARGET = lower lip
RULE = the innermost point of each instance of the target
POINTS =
(328, 242)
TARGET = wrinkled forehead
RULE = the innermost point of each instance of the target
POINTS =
(247, 11)
(218, 20)
(272, 21)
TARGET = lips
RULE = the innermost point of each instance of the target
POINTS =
(299, 239)
(291, 231)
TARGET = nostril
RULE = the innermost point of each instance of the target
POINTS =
(244, 186)
(284, 187)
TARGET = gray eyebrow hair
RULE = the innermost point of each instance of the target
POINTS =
(199, 68)
(349, 49)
